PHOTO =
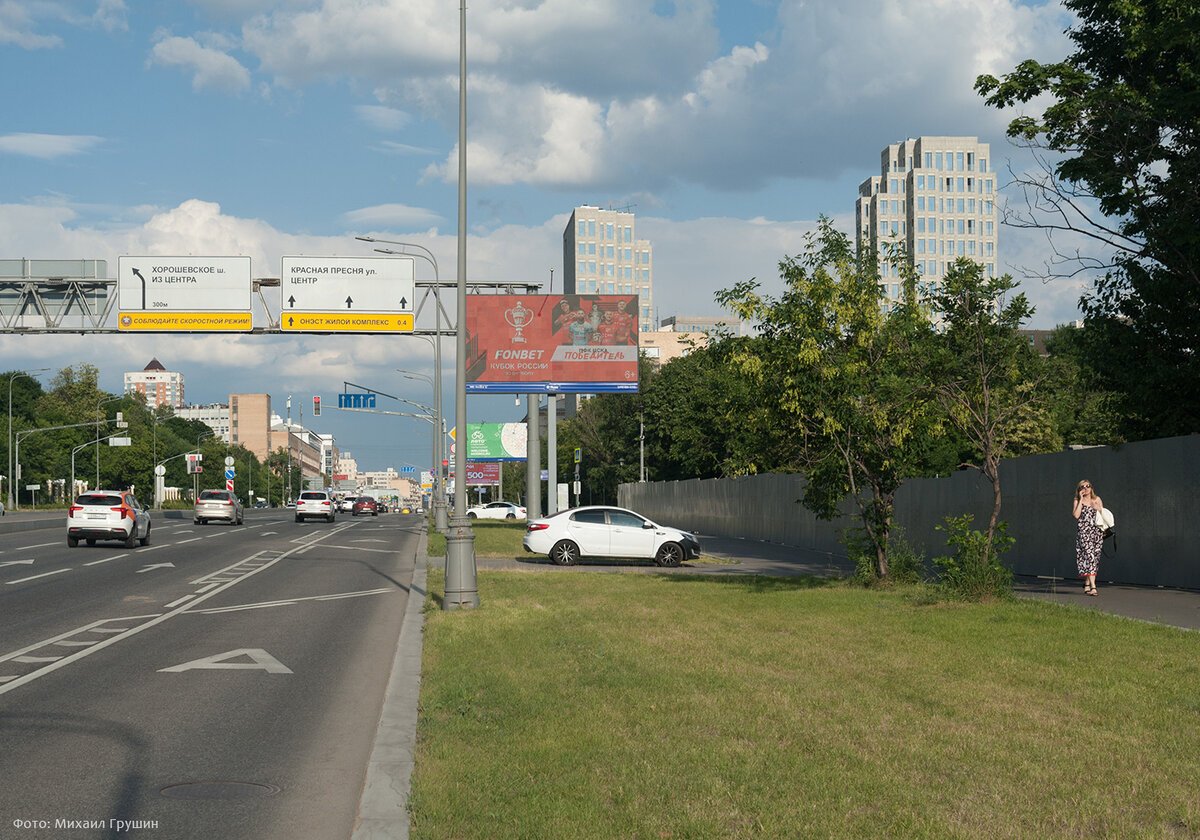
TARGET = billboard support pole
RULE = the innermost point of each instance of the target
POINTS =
(552, 453)
(533, 457)
(462, 590)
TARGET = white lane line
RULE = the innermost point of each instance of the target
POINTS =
(35, 577)
(290, 602)
(109, 630)
(16, 563)
(36, 658)
(193, 539)
(98, 562)
(69, 643)
(39, 545)
(204, 589)
(176, 603)
(151, 547)
(7, 678)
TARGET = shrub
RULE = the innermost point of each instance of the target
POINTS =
(905, 563)
(972, 572)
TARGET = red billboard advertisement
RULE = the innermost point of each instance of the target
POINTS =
(483, 473)
(552, 343)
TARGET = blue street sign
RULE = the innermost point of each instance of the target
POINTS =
(356, 400)
(229, 472)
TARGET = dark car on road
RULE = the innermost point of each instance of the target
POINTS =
(365, 505)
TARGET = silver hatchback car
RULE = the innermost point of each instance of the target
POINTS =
(220, 505)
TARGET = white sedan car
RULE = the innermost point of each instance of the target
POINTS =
(597, 531)
(496, 510)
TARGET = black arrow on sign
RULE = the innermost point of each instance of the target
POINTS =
(403, 303)
(290, 322)
(139, 276)
(349, 300)
(292, 301)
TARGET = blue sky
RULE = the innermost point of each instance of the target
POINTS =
(273, 127)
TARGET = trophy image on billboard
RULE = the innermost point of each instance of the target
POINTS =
(518, 317)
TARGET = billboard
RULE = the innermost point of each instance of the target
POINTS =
(496, 441)
(482, 474)
(519, 344)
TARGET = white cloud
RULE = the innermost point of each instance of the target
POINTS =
(48, 146)
(383, 118)
(210, 67)
(391, 215)
(17, 27)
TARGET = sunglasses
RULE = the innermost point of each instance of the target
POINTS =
(1085, 486)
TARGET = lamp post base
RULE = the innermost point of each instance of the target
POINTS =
(462, 591)
(439, 515)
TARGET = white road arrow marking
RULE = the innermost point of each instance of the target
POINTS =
(155, 566)
(17, 563)
(261, 660)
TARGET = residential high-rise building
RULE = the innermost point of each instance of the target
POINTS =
(602, 256)
(935, 198)
(159, 385)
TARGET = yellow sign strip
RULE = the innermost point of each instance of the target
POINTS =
(346, 322)
(187, 321)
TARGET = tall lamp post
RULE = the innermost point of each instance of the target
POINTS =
(439, 443)
(439, 500)
(102, 402)
(11, 377)
(462, 590)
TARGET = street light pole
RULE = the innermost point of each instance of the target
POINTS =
(439, 441)
(462, 590)
(11, 377)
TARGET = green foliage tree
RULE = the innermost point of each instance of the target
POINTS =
(1122, 121)
(831, 368)
(983, 373)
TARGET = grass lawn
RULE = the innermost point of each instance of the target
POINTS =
(676, 706)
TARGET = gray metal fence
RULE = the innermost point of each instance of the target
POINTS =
(1150, 486)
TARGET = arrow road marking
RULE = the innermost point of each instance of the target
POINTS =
(155, 566)
(35, 577)
(16, 563)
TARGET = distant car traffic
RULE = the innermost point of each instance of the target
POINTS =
(346, 505)
(596, 531)
(260, 504)
(496, 510)
(108, 515)
(218, 504)
(365, 505)
(315, 504)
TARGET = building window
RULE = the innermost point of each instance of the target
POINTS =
(959, 157)
(938, 160)
(970, 161)
(983, 164)
(929, 160)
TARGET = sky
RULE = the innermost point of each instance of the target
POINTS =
(266, 128)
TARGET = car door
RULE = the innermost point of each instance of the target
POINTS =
(141, 519)
(589, 530)
(628, 534)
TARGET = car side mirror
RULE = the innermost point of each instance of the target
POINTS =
(646, 525)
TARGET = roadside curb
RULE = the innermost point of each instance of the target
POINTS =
(383, 808)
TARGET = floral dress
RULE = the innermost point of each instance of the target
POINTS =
(1088, 542)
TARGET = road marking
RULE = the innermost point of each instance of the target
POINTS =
(181, 600)
(289, 602)
(155, 566)
(262, 661)
(150, 547)
(193, 539)
(98, 562)
(212, 585)
(16, 563)
(36, 658)
(39, 545)
(42, 575)
(69, 643)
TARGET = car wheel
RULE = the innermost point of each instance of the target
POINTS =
(298, 518)
(511, 516)
(196, 522)
(471, 515)
(565, 553)
(331, 517)
(91, 542)
(131, 540)
(72, 542)
(376, 513)
(669, 554)
(146, 539)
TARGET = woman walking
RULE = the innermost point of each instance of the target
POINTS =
(1090, 538)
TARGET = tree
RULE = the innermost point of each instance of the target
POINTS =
(982, 372)
(831, 367)
(1125, 119)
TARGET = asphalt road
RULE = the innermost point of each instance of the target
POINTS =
(220, 682)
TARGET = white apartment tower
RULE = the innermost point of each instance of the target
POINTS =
(602, 256)
(159, 385)
(935, 198)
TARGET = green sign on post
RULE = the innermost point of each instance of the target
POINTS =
(496, 442)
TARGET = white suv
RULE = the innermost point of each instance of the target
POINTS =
(315, 503)
(108, 515)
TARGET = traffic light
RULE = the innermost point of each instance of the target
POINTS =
(316, 406)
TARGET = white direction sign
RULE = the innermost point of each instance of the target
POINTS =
(347, 294)
(196, 294)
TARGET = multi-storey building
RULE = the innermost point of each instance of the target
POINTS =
(718, 325)
(933, 201)
(157, 384)
(602, 256)
(215, 416)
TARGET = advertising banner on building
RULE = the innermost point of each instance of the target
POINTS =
(496, 441)
(487, 472)
(552, 343)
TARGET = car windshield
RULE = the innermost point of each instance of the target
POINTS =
(99, 500)
(220, 495)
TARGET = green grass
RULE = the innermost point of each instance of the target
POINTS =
(667, 706)
(492, 539)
